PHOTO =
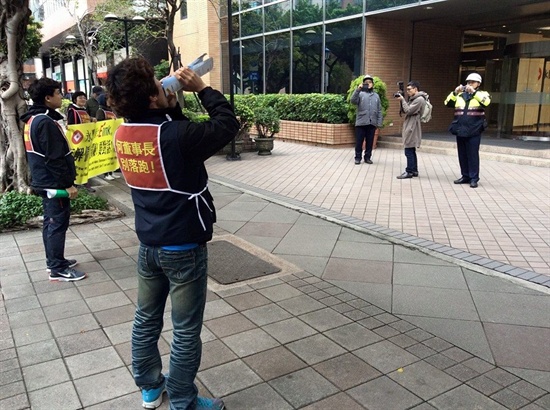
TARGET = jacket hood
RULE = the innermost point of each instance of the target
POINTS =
(419, 94)
(41, 109)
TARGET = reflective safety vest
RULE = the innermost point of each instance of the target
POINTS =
(81, 116)
(141, 155)
(469, 112)
(109, 115)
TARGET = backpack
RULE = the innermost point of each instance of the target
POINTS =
(427, 112)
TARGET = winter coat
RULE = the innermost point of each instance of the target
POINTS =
(412, 127)
(469, 120)
(50, 159)
(369, 107)
(171, 199)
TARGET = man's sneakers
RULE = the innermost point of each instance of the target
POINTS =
(152, 398)
(204, 403)
(109, 177)
(67, 275)
(72, 264)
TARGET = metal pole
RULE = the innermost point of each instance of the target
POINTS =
(233, 156)
(126, 36)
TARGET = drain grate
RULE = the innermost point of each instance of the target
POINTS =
(227, 263)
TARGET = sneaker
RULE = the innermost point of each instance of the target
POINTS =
(72, 263)
(204, 403)
(115, 176)
(152, 398)
(67, 275)
(109, 177)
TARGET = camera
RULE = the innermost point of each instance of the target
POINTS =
(401, 91)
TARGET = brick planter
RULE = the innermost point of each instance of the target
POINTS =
(317, 133)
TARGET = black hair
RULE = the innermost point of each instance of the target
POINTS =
(130, 84)
(414, 84)
(77, 94)
(43, 87)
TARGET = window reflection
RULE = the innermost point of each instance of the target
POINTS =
(252, 67)
(277, 16)
(307, 60)
(277, 63)
(307, 12)
(341, 8)
(251, 23)
(342, 55)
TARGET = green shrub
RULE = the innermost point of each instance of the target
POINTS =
(267, 121)
(17, 208)
(162, 69)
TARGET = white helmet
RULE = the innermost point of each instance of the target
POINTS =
(474, 77)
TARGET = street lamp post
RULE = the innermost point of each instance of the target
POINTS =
(126, 21)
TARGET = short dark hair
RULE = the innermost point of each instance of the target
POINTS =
(77, 94)
(130, 84)
(414, 84)
(96, 89)
(43, 87)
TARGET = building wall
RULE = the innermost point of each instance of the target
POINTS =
(198, 34)
(402, 51)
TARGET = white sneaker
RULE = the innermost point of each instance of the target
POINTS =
(109, 177)
(115, 176)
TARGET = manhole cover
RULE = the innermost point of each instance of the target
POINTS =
(228, 263)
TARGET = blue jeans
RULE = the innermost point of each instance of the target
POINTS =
(57, 212)
(183, 276)
(412, 162)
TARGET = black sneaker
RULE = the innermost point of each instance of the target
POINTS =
(67, 275)
(72, 263)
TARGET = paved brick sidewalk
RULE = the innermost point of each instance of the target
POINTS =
(353, 321)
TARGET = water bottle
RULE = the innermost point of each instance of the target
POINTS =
(199, 66)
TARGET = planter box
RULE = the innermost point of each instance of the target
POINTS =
(317, 133)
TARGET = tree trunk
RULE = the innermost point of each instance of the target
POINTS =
(13, 164)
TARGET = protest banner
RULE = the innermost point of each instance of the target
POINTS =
(93, 148)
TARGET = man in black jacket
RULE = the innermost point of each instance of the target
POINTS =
(161, 154)
(52, 167)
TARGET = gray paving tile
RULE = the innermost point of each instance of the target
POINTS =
(215, 353)
(111, 300)
(346, 371)
(280, 292)
(217, 308)
(38, 376)
(424, 380)
(325, 319)
(484, 385)
(303, 387)
(440, 361)
(229, 325)
(64, 310)
(18, 402)
(60, 396)
(248, 300)
(289, 330)
(115, 315)
(82, 342)
(434, 276)
(404, 255)
(520, 346)
(510, 399)
(544, 401)
(101, 288)
(370, 251)
(21, 304)
(385, 356)
(358, 270)
(266, 314)
(538, 378)
(312, 264)
(60, 296)
(105, 386)
(382, 394)
(466, 334)
(352, 336)
(93, 362)
(310, 240)
(502, 377)
(17, 291)
(420, 350)
(274, 363)
(432, 302)
(12, 389)
(38, 352)
(464, 397)
(72, 325)
(514, 309)
(228, 378)
(31, 334)
(479, 282)
(301, 304)
(250, 342)
(461, 372)
(315, 349)
(260, 397)
(26, 318)
(123, 332)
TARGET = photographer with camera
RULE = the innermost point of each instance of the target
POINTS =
(369, 118)
(469, 122)
(412, 127)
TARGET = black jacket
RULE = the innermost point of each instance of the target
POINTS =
(166, 218)
(49, 156)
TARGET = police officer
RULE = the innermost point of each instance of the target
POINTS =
(469, 122)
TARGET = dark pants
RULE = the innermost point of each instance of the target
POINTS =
(412, 162)
(468, 156)
(362, 133)
(57, 212)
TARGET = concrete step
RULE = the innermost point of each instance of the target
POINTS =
(536, 158)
